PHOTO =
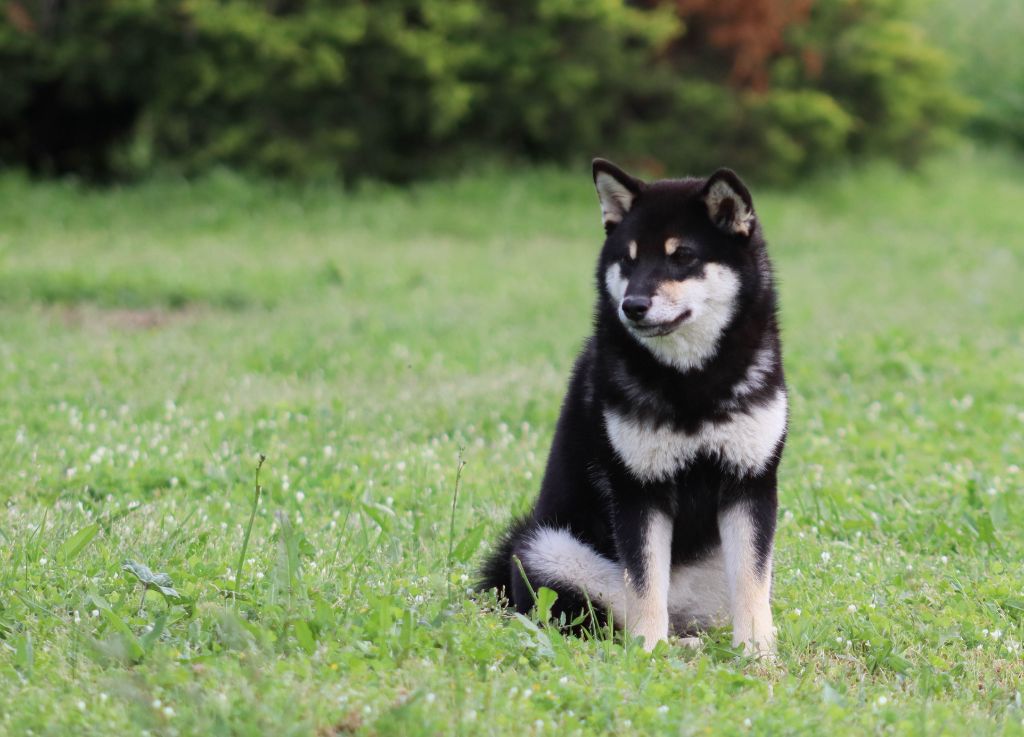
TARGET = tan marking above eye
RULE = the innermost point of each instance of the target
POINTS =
(632, 250)
(671, 245)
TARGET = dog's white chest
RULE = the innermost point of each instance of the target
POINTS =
(745, 442)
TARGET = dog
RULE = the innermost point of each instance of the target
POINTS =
(658, 505)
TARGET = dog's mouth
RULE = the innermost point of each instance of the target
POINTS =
(662, 328)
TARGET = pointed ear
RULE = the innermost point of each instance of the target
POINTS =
(729, 204)
(616, 190)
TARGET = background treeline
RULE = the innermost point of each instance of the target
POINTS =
(399, 89)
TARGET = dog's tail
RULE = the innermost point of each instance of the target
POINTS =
(498, 569)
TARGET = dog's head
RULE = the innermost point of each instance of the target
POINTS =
(678, 254)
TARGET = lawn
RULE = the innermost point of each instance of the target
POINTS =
(154, 340)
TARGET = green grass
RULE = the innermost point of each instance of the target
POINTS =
(155, 340)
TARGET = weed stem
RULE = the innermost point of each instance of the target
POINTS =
(451, 524)
(248, 528)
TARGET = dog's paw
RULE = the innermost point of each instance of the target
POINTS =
(651, 640)
(652, 626)
(690, 642)
(762, 647)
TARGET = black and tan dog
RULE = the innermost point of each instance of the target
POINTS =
(659, 500)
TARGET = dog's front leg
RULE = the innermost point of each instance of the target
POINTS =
(747, 527)
(644, 537)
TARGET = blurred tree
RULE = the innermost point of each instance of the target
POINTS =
(751, 32)
(985, 39)
(405, 88)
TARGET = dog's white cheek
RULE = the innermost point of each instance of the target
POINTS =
(723, 284)
(674, 298)
(615, 283)
(712, 300)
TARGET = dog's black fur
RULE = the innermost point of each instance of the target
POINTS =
(587, 488)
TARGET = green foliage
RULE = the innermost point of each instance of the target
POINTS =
(399, 89)
(985, 38)
(881, 68)
(891, 85)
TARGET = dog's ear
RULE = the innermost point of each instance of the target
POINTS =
(729, 204)
(616, 190)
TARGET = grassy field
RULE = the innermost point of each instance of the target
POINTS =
(155, 340)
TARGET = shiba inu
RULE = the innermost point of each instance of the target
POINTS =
(658, 504)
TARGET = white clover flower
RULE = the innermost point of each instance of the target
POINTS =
(663, 709)
(852, 609)
(825, 556)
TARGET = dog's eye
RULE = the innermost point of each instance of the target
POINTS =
(684, 255)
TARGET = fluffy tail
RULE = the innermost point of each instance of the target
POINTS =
(586, 582)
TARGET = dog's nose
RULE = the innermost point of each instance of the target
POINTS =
(636, 307)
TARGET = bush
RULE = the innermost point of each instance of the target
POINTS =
(399, 89)
(884, 72)
(985, 37)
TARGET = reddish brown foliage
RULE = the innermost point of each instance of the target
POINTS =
(19, 18)
(751, 32)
